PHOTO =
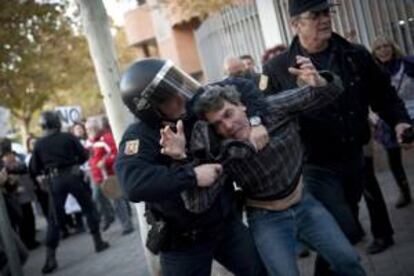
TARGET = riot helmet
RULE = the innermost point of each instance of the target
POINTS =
(49, 120)
(149, 82)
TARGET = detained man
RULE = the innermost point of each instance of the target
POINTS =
(279, 210)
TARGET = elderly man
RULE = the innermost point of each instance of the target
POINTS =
(279, 211)
(334, 135)
(236, 67)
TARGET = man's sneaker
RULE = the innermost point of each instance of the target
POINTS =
(101, 246)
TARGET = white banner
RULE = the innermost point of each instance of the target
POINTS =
(69, 115)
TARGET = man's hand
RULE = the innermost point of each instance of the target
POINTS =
(399, 130)
(206, 174)
(173, 144)
(259, 137)
(3, 176)
(306, 73)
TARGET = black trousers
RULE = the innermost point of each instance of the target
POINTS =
(27, 228)
(380, 221)
(61, 186)
(396, 165)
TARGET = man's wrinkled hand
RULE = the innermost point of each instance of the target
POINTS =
(399, 130)
(259, 137)
(207, 174)
(306, 72)
(173, 143)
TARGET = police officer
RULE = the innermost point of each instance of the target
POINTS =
(58, 155)
(157, 93)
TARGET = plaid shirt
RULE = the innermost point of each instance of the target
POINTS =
(273, 172)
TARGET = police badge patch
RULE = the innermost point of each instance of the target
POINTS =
(131, 147)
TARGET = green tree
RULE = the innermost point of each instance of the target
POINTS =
(42, 59)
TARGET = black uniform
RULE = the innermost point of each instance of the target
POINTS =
(59, 155)
(193, 240)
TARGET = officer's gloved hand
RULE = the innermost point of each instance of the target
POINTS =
(234, 150)
(404, 134)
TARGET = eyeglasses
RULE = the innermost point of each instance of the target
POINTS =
(313, 15)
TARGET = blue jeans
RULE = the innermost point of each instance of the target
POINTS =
(339, 189)
(275, 234)
(232, 247)
(120, 208)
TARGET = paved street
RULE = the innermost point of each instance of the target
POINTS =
(125, 257)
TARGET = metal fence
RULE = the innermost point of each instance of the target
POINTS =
(362, 21)
(233, 32)
(236, 30)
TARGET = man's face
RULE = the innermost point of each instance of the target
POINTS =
(78, 131)
(174, 107)
(230, 121)
(314, 27)
(248, 63)
(235, 68)
(92, 132)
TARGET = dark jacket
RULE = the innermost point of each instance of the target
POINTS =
(147, 175)
(338, 131)
(56, 151)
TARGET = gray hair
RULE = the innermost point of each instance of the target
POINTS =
(214, 97)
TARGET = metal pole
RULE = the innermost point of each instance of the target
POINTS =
(8, 239)
(102, 50)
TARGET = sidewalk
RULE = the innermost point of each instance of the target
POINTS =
(76, 255)
(125, 257)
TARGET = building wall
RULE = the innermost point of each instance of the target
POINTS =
(149, 31)
(362, 21)
(235, 31)
(138, 25)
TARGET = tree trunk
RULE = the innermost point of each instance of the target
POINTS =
(24, 130)
(102, 50)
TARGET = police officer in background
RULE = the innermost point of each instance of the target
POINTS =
(58, 156)
(157, 93)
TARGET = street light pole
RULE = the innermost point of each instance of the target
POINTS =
(102, 50)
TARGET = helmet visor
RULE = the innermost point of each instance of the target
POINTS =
(168, 82)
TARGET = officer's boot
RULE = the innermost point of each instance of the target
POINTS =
(50, 263)
(100, 245)
(405, 194)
